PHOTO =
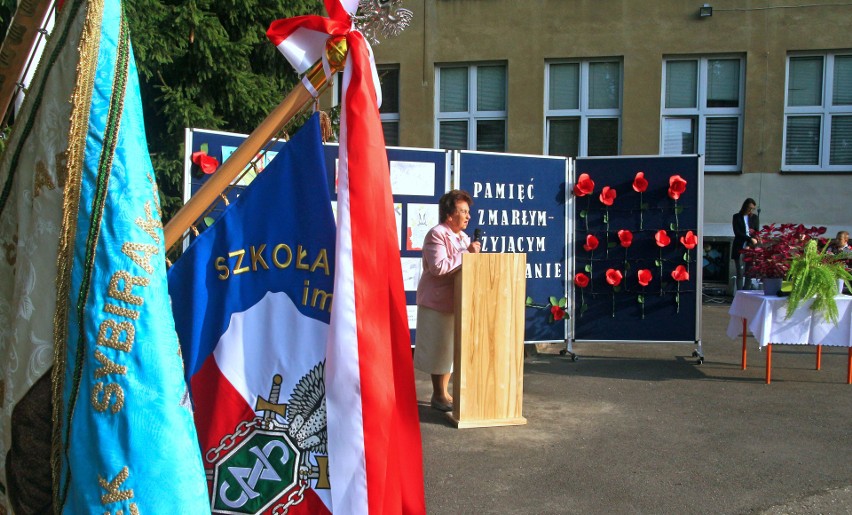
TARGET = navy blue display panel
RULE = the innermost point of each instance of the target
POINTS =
(665, 310)
(519, 202)
(418, 179)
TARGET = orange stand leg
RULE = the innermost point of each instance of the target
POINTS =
(849, 368)
(769, 363)
(819, 357)
(744, 344)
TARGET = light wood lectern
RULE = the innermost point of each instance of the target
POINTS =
(488, 365)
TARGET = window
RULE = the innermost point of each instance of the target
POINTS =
(470, 107)
(818, 113)
(702, 110)
(389, 110)
(583, 108)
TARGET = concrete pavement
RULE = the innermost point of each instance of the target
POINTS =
(641, 428)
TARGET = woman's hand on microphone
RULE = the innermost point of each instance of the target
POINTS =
(474, 247)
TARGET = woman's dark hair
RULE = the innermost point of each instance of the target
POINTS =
(447, 204)
(746, 202)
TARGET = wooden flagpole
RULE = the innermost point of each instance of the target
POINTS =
(295, 101)
(18, 46)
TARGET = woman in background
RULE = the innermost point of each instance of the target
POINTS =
(442, 254)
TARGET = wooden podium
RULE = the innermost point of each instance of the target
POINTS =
(488, 365)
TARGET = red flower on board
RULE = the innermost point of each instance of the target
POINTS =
(613, 277)
(581, 280)
(585, 185)
(207, 164)
(644, 277)
(662, 238)
(591, 243)
(677, 185)
(607, 196)
(625, 237)
(557, 312)
(680, 274)
(640, 183)
(689, 240)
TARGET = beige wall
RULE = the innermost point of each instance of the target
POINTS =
(641, 32)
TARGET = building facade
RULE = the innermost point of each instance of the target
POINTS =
(762, 89)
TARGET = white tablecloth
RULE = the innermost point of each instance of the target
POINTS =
(767, 321)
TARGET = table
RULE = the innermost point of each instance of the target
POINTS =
(765, 316)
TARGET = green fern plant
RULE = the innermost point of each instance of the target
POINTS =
(814, 273)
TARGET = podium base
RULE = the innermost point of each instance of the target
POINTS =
(465, 424)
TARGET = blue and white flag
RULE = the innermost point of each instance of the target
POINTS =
(124, 436)
(252, 298)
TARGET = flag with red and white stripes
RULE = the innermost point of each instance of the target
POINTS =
(375, 454)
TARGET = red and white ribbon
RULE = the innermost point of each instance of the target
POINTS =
(375, 453)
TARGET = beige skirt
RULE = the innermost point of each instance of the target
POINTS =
(433, 349)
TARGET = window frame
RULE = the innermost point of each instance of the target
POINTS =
(700, 113)
(472, 115)
(826, 111)
(583, 113)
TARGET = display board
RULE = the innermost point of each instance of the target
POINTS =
(648, 225)
(519, 203)
(418, 179)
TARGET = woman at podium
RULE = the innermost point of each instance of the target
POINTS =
(442, 255)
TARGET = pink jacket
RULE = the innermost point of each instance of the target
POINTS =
(442, 256)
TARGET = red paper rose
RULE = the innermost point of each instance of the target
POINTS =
(207, 164)
(662, 238)
(557, 312)
(625, 237)
(613, 277)
(607, 196)
(640, 183)
(591, 243)
(677, 185)
(585, 185)
(680, 274)
(581, 280)
(644, 276)
(689, 240)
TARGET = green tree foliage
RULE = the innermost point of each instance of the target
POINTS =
(206, 64)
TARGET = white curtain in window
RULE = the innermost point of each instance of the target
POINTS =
(564, 86)
(603, 137)
(453, 135)
(491, 135)
(804, 86)
(720, 147)
(681, 84)
(391, 132)
(723, 83)
(564, 137)
(491, 88)
(678, 136)
(841, 141)
(842, 80)
(603, 85)
(453, 90)
(802, 140)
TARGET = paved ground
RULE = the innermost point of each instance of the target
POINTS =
(640, 428)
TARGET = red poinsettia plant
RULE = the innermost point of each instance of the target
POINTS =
(776, 247)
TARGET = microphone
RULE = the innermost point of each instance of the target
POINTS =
(477, 234)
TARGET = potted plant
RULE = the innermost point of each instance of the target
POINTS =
(815, 273)
(777, 245)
